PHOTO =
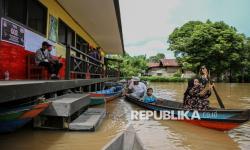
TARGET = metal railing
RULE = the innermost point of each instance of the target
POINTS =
(80, 65)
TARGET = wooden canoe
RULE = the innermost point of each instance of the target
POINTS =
(218, 119)
(100, 98)
(12, 114)
(12, 119)
(127, 140)
(36, 110)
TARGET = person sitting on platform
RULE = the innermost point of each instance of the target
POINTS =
(44, 58)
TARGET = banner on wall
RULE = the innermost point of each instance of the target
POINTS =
(12, 32)
(33, 41)
(53, 28)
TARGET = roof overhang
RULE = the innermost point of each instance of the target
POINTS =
(101, 19)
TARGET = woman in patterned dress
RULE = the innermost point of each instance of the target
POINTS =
(196, 96)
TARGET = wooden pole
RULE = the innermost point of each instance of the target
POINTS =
(218, 99)
(67, 67)
(217, 95)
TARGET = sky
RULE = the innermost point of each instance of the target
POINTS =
(146, 24)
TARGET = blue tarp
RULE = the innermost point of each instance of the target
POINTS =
(110, 91)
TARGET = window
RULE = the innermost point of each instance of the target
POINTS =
(65, 34)
(62, 28)
(159, 74)
(16, 9)
(81, 44)
(71, 36)
(37, 15)
(28, 12)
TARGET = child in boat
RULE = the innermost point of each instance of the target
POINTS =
(149, 97)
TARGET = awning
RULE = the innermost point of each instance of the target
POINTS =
(101, 19)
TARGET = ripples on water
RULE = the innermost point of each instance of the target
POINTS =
(233, 95)
(242, 136)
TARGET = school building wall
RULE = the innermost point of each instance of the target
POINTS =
(13, 57)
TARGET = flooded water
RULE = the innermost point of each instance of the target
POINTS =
(154, 134)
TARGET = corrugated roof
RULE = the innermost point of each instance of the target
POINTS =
(169, 63)
(165, 63)
(151, 65)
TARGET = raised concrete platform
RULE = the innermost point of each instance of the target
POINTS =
(89, 120)
(21, 89)
(67, 105)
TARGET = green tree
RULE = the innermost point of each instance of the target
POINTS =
(245, 62)
(214, 44)
(156, 58)
(131, 66)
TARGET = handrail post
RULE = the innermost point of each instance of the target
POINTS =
(87, 60)
(67, 67)
(119, 70)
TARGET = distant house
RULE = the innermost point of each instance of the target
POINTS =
(167, 68)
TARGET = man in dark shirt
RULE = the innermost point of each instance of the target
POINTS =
(44, 58)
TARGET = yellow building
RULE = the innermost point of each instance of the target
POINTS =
(82, 25)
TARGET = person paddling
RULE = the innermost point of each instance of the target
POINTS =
(206, 82)
(137, 88)
(203, 76)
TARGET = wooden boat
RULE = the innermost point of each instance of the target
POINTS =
(104, 96)
(12, 114)
(15, 118)
(127, 140)
(35, 111)
(218, 119)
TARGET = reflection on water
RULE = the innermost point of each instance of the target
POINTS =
(154, 134)
(234, 95)
(242, 136)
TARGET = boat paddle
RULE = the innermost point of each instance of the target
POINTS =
(218, 98)
(217, 95)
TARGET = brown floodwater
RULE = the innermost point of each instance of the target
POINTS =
(154, 134)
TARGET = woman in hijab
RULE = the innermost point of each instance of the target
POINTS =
(204, 78)
(197, 93)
